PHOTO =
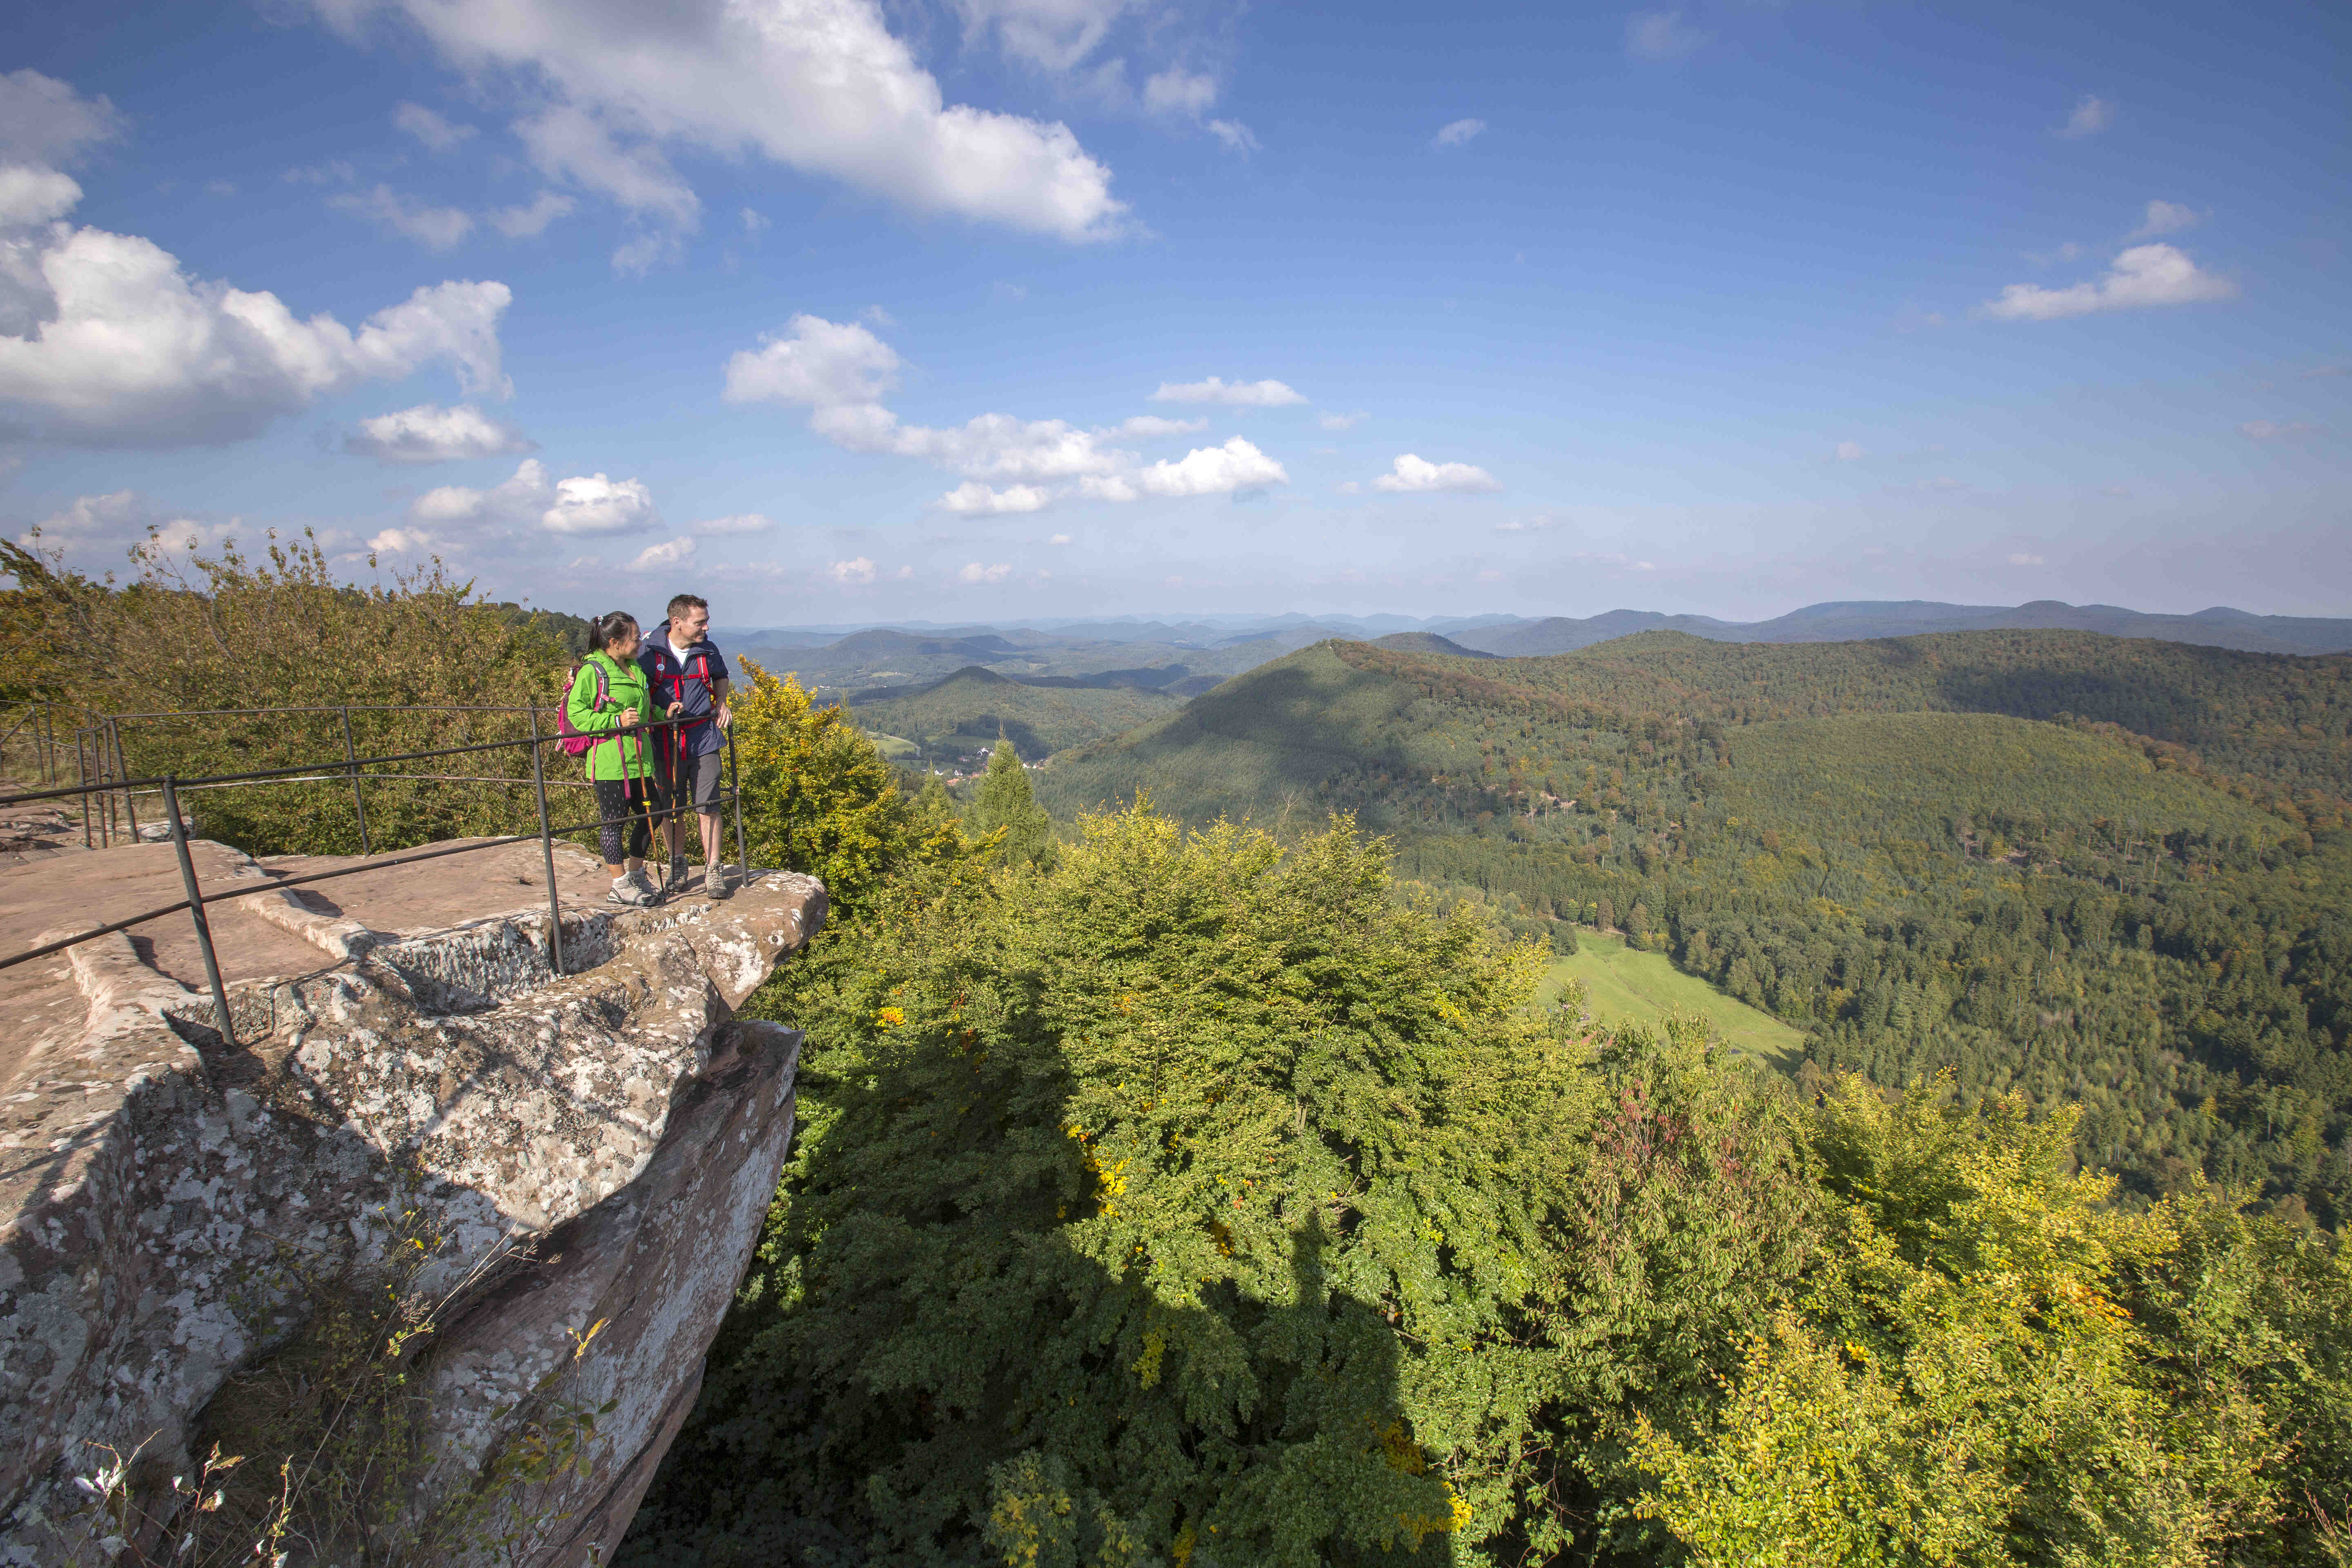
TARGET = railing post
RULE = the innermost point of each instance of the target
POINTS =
(197, 906)
(122, 770)
(546, 848)
(735, 787)
(352, 756)
(81, 782)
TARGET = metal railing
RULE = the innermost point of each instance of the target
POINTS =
(102, 778)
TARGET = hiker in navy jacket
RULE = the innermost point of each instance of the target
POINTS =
(689, 680)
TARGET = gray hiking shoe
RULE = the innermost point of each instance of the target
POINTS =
(678, 874)
(629, 890)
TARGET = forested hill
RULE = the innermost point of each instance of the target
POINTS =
(2090, 868)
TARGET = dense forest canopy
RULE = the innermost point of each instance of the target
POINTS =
(2085, 869)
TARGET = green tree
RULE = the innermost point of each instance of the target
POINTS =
(1004, 801)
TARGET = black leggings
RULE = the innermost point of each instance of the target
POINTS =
(623, 803)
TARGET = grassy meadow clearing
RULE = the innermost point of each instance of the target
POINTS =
(1626, 985)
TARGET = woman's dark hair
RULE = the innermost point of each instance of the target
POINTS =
(609, 629)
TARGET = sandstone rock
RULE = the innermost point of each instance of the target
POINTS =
(617, 1123)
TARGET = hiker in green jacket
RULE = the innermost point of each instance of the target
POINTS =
(609, 699)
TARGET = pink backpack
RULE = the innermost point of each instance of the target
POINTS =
(575, 744)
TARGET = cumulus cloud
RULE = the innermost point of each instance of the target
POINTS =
(1660, 36)
(594, 504)
(1409, 474)
(853, 571)
(2091, 115)
(1458, 133)
(402, 542)
(820, 85)
(1236, 394)
(96, 527)
(113, 345)
(45, 120)
(841, 372)
(740, 522)
(1213, 471)
(431, 434)
(2143, 276)
(669, 553)
(1338, 421)
(32, 197)
(587, 505)
(972, 497)
(973, 571)
(2165, 217)
(433, 130)
(1848, 452)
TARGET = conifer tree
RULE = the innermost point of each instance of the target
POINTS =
(1004, 802)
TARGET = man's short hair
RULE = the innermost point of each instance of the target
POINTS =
(681, 603)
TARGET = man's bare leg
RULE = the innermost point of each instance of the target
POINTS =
(712, 824)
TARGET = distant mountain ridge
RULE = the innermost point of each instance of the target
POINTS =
(1855, 620)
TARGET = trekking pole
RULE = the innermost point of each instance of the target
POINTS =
(197, 906)
(352, 759)
(735, 787)
(547, 848)
(122, 770)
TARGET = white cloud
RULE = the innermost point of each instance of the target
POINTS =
(2021, 560)
(435, 229)
(1338, 421)
(1057, 35)
(594, 504)
(1660, 36)
(1059, 539)
(2091, 115)
(1540, 522)
(583, 506)
(113, 345)
(653, 557)
(429, 127)
(852, 571)
(1848, 452)
(431, 434)
(45, 120)
(1145, 426)
(528, 222)
(1458, 132)
(1213, 471)
(1237, 395)
(402, 542)
(820, 85)
(2165, 217)
(841, 372)
(30, 197)
(2143, 276)
(740, 523)
(819, 362)
(973, 571)
(1178, 91)
(754, 221)
(1409, 474)
(972, 497)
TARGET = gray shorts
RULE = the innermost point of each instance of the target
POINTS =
(698, 786)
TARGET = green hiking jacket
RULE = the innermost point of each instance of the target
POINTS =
(622, 757)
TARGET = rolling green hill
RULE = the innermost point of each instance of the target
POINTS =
(1625, 985)
(959, 718)
(2051, 863)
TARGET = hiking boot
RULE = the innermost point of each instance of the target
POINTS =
(628, 889)
(677, 873)
(714, 880)
(646, 884)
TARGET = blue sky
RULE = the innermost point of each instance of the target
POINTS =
(994, 308)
